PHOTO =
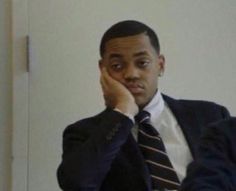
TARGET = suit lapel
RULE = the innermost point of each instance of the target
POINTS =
(187, 119)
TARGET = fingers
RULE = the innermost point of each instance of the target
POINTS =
(103, 79)
(106, 78)
(109, 88)
(105, 84)
(107, 81)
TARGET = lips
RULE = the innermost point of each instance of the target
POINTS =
(135, 88)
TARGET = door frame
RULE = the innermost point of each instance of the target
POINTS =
(20, 97)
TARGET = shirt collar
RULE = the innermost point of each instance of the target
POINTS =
(155, 106)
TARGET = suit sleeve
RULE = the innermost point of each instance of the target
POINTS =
(225, 112)
(89, 148)
(215, 165)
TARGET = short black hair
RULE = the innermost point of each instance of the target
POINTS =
(129, 28)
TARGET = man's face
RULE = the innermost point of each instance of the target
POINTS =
(134, 63)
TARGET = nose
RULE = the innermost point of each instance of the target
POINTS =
(131, 72)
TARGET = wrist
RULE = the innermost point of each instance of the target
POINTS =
(129, 109)
(130, 116)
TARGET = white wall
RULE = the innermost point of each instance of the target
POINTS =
(199, 42)
(5, 96)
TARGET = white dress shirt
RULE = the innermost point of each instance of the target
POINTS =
(166, 124)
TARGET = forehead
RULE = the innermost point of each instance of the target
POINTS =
(129, 45)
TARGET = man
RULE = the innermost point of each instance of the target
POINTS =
(103, 152)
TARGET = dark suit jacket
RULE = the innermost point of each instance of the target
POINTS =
(214, 168)
(99, 153)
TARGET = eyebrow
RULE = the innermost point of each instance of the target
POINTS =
(141, 53)
(115, 55)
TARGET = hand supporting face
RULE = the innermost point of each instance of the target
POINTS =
(116, 95)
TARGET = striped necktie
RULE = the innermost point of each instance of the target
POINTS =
(161, 170)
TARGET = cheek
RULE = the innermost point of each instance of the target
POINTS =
(152, 82)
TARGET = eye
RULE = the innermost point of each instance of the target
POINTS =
(116, 66)
(143, 63)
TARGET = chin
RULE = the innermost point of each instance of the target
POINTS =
(141, 103)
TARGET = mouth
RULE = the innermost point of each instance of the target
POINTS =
(135, 88)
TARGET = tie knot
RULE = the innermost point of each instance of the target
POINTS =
(142, 117)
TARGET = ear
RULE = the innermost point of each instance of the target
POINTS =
(161, 64)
